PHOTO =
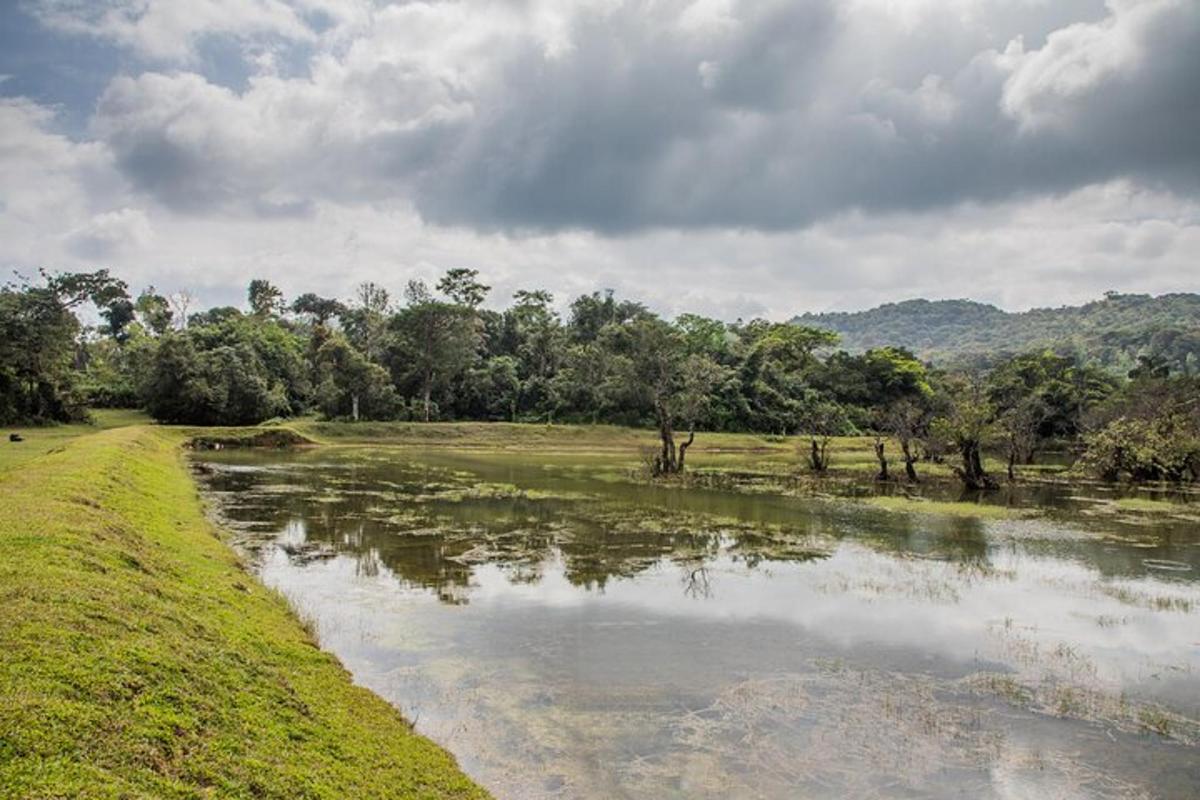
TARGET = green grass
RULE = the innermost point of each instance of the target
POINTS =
(913, 505)
(40, 440)
(1146, 505)
(138, 659)
(506, 435)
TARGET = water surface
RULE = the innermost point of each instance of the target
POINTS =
(566, 632)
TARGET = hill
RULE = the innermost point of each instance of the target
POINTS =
(1112, 332)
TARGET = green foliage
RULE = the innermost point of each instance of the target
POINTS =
(320, 310)
(443, 356)
(1166, 448)
(1150, 430)
(238, 371)
(154, 312)
(1109, 333)
(463, 288)
(352, 386)
(265, 298)
(38, 336)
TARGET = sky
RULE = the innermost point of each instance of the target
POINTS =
(735, 159)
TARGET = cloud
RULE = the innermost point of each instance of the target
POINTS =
(112, 233)
(167, 30)
(723, 156)
(619, 116)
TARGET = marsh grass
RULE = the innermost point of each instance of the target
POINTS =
(917, 505)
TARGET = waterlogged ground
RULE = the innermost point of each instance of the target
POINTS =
(568, 632)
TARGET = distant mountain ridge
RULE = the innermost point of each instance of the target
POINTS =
(1113, 331)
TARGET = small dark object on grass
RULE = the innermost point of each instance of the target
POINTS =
(16, 437)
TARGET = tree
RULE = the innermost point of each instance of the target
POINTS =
(265, 298)
(181, 302)
(662, 376)
(590, 313)
(73, 288)
(821, 420)
(907, 419)
(461, 286)
(366, 320)
(1020, 423)
(154, 311)
(319, 310)
(537, 345)
(434, 342)
(966, 422)
(1150, 430)
(38, 332)
(37, 349)
(352, 386)
(118, 315)
(223, 386)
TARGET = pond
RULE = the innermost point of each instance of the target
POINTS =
(568, 632)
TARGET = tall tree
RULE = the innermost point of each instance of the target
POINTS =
(266, 300)
(434, 341)
(154, 311)
(463, 287)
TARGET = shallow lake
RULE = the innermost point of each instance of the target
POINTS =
(567, 632)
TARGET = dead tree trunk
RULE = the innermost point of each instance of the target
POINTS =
(883, 464)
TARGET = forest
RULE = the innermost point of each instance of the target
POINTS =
(436, 353)
(1111, 332)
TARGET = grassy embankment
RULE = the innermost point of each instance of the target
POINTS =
(137, 658)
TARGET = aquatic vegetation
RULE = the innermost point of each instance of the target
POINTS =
(919, 505)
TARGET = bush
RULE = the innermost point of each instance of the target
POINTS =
(1164, 448)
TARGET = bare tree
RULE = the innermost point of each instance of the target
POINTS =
(181, 301)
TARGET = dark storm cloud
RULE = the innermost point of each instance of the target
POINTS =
(649, 144)
(767, 116)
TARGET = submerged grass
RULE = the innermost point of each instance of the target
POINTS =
(137, 658)
(916, 505)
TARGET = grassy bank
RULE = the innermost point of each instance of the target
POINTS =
(137, 659)
(38, 440)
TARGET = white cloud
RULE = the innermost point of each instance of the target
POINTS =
(110, 234)
(1080, 59)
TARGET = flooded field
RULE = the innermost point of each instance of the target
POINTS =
(568, 632)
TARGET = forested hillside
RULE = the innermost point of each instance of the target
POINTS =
(1111, 332)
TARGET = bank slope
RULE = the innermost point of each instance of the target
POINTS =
(138, 660)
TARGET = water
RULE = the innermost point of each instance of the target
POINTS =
(568, 633)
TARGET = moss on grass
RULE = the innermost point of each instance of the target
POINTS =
(137, 658)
